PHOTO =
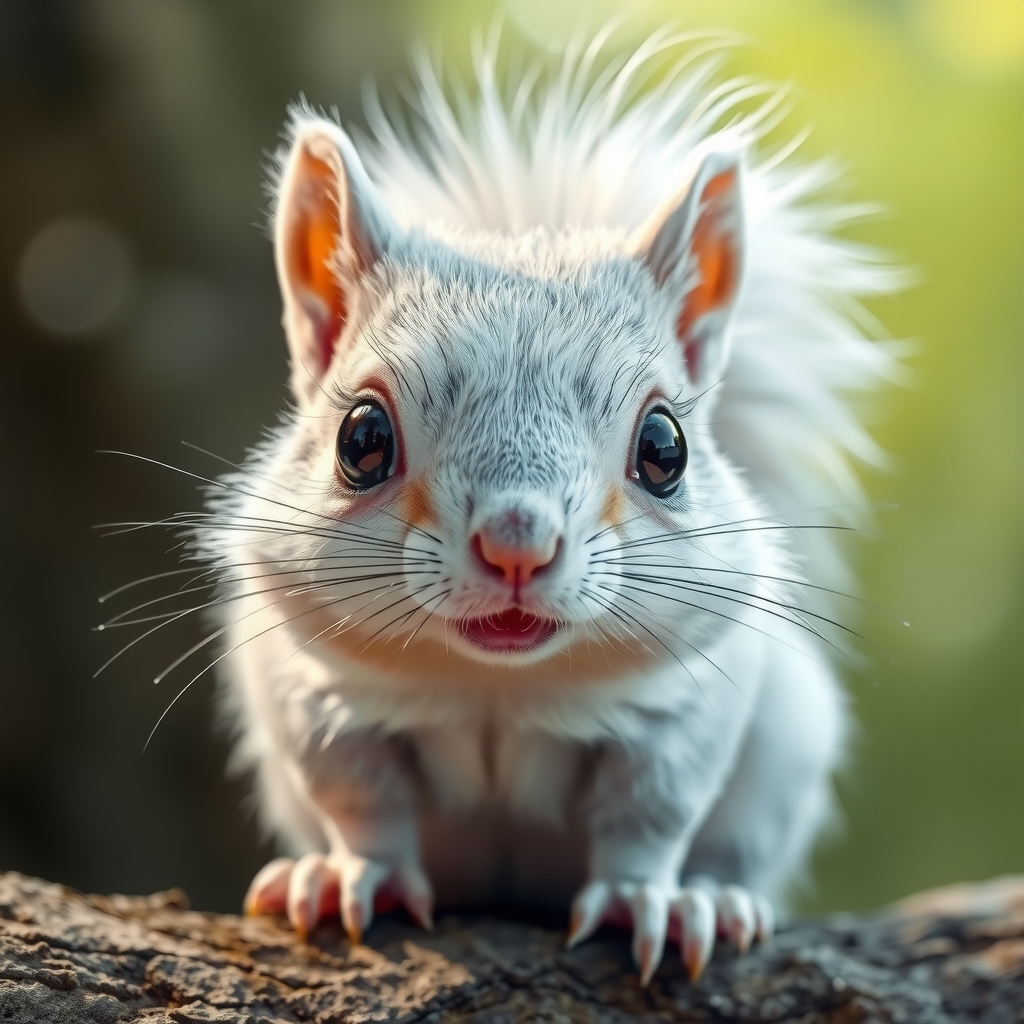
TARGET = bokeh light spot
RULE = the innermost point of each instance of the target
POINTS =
(75, 276)
(977, 36)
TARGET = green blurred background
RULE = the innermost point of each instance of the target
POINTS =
(138, 309)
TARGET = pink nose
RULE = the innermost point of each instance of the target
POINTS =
(515, 564)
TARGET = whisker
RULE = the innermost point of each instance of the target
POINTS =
(149, 579)
(223, 484)
(620, 611)
(614, 526)
(224, 567)
(611, 609)
(427, 613)
(192, 650)
(149, 632)
(295, 586)
(789, 580)
(221, 459)
(337, 626)
(411, 526)
(741, 622)
(717, 531)
(216, 661)
(682, 664)
(239, 645)
(394, 604)
(171, 617)
(692, 647)
(745, 593)
(238, 523)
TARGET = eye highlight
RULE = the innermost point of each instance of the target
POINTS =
(660, 453)
(366, 445)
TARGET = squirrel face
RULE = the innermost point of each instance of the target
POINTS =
(499, 439)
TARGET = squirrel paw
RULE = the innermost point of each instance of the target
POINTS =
(319, 885)
(691, 916)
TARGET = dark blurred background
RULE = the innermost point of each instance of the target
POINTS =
(138, 309)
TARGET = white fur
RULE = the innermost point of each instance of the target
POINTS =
(520, 337)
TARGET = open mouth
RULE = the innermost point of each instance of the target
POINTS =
(511, 631)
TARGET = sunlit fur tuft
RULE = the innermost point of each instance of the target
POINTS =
(595, 148)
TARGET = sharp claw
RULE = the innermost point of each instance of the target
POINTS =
(354, 925)
(268, 892)
(417, 895)
(647, 961)
(356, 898)
(419, 909)
(765, 916)
(695, 959)
(736, 911)
(304, 889)
(696, 914)
(301, 920)
(575, 928)
(648, 907)
(587, 910)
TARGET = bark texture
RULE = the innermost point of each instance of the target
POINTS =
(949, 955)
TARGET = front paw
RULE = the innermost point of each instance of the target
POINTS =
(318, 885)
(691, 915)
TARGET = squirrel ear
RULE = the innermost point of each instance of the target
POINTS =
(694, 248)
(330, 228)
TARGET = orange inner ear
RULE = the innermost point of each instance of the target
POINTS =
(313, 242)
(714, 249)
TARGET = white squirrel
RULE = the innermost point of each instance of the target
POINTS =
(517, 606)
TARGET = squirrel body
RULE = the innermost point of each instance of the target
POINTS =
(518, 609)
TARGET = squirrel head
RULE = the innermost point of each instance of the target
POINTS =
(498, 437)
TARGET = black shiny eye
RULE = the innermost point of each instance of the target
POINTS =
(660, 453)
(366, 445)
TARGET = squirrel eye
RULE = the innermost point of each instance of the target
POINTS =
(366, 445)
(660, 453)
